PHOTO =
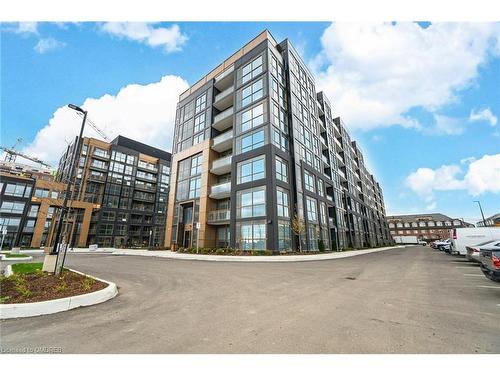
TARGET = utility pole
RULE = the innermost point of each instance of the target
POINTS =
(482, 214)
(64, 208)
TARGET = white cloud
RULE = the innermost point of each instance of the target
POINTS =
(375, 73)
(48, 45)
(170, 38)
(445, 125)
(483, 115)
(23, 28)
(482, 175)
(145, 113)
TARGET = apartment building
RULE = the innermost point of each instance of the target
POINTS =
(29, 198)
(428, 227)
(261, 162)
(129, 182)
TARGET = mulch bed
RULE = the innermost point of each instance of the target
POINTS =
(44, 287)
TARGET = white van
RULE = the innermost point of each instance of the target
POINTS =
(462, 237)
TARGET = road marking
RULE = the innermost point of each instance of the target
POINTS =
(473, 274)
(488, 286)
(465, 267)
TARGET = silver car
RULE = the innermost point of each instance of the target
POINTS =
(474, 252)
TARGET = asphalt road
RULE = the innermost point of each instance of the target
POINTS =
(411, 300)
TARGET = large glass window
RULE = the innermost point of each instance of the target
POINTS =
(201, 103)
(324, 218)
(251, 170)
(312, 209)
(281, 169)
(252, 141)
(284, 236)
(251, 235)
(252, 117)
(12, 207)
(18, 190)
(309, 182)
(196, 164)
(33, 212)
(252, 93)
(199, 123)
(195, 187)
(252, 69)
(282, 202)
(251, 202)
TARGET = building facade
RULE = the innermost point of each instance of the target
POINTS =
(426, 227)
(492, 221)
(129, 182)
(261, 162)
(29, 198)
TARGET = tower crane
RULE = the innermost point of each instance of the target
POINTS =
(11, 154)
(96, 128)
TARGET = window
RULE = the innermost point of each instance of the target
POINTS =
(251, 93)
(11, 223)
(281, 169)
(252, 70)
(108, 215)
(282, 202)
(280, 140)
(252, 141)
(322, 211)
(194, 187)
(251, 170)
(251, 202)
(30, 225)
(99, 164)
(12, 207)
(252, 117)
(321, 187)
(198, 138)
(196, 164)
(18, 190)
(251, 235)
(201, 103)
(312, 209)
(33, 212)
(284, 236)
(309, 181)
(101, 153)
(279, 118)
(106, 229)
(199, 123)
(111, 201)
(118, 156)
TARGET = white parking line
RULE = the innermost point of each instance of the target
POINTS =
(488, 286)
(469, 267)
(473, 274)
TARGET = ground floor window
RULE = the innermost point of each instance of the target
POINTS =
(312, 237)
(223, 236)
(251, 235)
(284, 236)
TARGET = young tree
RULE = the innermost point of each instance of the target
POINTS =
(299, 228)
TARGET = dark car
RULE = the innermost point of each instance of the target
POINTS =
(490, 261)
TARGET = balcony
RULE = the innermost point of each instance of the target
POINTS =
(220, 191)
(225, 79)
(218, 217)
(223, 142)
(337, 142)
(221, 166)
(225, 99)
(223, 120)
(323, 143)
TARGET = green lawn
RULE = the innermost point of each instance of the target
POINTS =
(24, 268)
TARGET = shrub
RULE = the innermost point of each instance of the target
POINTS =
(62, 285)
(87, 283)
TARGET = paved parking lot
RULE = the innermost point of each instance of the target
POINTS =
(410, 300)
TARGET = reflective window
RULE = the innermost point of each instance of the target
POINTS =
(252, 141)
(199, 123)
(309, 181)
(251, 235)
(253, 169)
(284, 236)
(252, 93)
(201, 103)
(281, 169)
(252, 117)
(251, 202)
(312, 209)
(282, 202)
(252, 69)
(12, 207)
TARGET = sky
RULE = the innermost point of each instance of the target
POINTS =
(422, 99)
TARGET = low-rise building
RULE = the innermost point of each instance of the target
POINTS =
(427, 227)
(492, 221)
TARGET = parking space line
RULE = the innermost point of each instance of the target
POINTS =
(469, 267)
(488, 286)
(473, 274)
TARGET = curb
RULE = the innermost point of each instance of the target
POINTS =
(23, 259)
(260, 259)
(24, 310)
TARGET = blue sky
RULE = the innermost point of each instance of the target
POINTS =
(422, 100)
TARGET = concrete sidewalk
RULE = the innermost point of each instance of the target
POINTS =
(230, 258)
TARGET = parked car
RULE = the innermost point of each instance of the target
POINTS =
(474, 252)
(462, 237)
(490, 262)
(443, 245)
(423, 243)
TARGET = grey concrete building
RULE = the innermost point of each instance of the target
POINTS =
(257, 151)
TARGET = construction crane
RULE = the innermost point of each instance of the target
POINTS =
(11, 155)
(95, 127)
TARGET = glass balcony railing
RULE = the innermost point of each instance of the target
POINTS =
(218, 216)
(221, 190)
(222, 163)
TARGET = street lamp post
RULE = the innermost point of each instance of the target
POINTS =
(64, 208)
(482, 214)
